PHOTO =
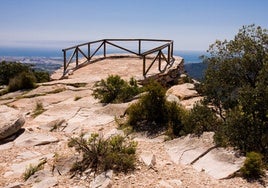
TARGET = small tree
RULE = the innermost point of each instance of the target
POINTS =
(236, 84)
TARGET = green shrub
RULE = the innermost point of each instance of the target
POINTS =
(153, 113)
(41, 76)
(150, 112)
(9, 70)
(200, 119)
(24, 80)
(115, 90)
(101, 154)
(175, 115)
(253, 167)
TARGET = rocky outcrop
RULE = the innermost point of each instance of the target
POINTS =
(183, 91)
(202, 153)
(28, 139)
(11, 121)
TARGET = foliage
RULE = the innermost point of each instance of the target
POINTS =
(233, 64)
(153, 113)
(236, 83)
(24, 80)
(115, 90)
(199, 119)
(41, 76)
(9, 70)
(253, 167)
(32, 169)
(101, 154)
(20, 76)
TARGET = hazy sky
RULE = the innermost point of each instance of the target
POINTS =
(192, 24)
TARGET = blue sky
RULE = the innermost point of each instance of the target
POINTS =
(192, 24)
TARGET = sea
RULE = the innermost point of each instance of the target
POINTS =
(51, 59)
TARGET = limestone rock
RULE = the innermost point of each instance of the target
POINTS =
(11, 121)
(219, 163)
(173, 98)
(42, 179)
(183, 91)
(114, 132)
(148, 158)
(17, 169)
(104, 180)
(186, 149)
(34, 139)
(15, 185)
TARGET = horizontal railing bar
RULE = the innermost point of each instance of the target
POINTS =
(83, 44)
(92, 42)
(155, 49)
(155, 40)
(122, 48)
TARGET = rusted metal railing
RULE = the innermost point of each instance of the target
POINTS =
(103, 44)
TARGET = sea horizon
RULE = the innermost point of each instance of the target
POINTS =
(190, 56)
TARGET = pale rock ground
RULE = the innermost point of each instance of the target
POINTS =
(168, 163)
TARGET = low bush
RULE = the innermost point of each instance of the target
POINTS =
(115, 90)
(9, 70)
(24, 80)
(253, 167)
(99, 154)
(41, 76)
(20, 76)
(200, 119)
(153, 113)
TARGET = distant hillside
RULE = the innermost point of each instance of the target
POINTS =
(195, 70)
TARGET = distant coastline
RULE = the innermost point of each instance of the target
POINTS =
(51, 59)
(188, 55)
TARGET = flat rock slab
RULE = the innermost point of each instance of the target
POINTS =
(183, 91)
(11, 121)
(186, 149)
(28, 139)
(17, 169)
(219, 163)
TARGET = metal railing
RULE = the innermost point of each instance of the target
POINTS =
(88, 53)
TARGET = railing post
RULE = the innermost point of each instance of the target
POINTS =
(88, 52)
(172, 49)
(159, 60)
(64, 61)
(144, 74)
(104, 48)
(139, 46)
(168, 53)
(76, 56)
